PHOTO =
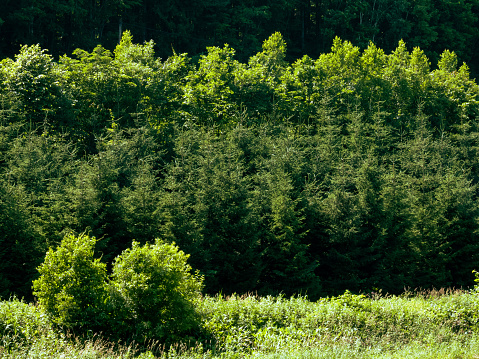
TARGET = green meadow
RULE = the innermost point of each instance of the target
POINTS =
(433, 324)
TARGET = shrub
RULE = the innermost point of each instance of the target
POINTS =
(21, 324)
(71, 287)
(153, 292)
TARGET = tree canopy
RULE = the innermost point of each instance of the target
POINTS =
(309, 26)
(357, 169)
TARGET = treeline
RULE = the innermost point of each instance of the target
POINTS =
(356, 170)
(309, 26)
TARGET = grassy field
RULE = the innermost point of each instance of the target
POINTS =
(421, 325)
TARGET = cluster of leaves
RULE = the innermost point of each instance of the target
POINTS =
(357, 170)
(150, 294)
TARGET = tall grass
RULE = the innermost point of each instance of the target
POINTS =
(421, 325)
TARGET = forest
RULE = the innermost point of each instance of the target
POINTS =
(239, 179)
(356, 170)
(308, 26)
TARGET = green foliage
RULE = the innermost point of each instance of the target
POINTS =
(209, 89)
(21, 324)
(34, 80)
(91, 82)
(272, 324)
(21, 248)
(425, 324)
(71, 286)
(115, 192)
(207, 200)
(288, 268)
(166, 94)
(32, 183)
(271, 60)
(354, 170)
(153, 293)
(309, 27)
(259, 80)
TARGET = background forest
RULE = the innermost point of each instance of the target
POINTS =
(355, 170)
(309, 26)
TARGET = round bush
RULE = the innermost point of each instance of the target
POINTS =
(71, 287)
(153, 291)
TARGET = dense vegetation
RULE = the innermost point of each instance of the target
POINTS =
(150, 294)
(309, 26)
(357, 170)
(130, 183)
(426, 325)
